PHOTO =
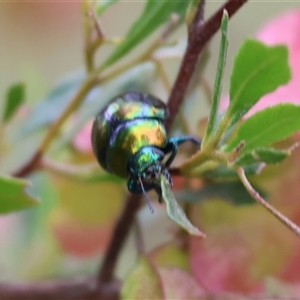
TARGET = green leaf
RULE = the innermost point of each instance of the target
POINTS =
(14, 98)
(262, 154)
(143, 282)
(174, 210)
(103, 5)
(258, 70)
(13, 196)
(155, 14)
(218, 81)
(49, 108)
(267, 126)
(232, 191)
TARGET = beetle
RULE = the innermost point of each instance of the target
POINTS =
(129, 139)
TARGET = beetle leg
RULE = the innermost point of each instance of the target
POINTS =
(170, 147)
(182, 139)
(173, 144)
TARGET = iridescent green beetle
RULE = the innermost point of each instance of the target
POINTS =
(130, 140)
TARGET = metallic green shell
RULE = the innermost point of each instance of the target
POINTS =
(118, 111)
(129, 138)
(129, 107)
(101, 133)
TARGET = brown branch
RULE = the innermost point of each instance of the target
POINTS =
(120, 233)
(73, 289)
(199, 35)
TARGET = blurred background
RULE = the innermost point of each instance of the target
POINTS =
(41, 42)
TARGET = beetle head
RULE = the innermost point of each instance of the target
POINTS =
(146, 167)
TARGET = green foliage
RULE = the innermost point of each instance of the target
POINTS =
(74, 210)
(268, 126)
(258, 70)
(48, 109)
(174, 210)
(155, 14)
(13, 196)
(230, 141)
(262, 154)
(14, 98)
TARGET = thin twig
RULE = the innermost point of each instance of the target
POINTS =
(93, 44)
(282, 218)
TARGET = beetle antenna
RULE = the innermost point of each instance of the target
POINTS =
(146, 197)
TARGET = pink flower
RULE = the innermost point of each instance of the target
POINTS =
(82, 141)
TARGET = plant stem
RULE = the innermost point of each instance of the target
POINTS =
(282, 218)
(120, 232)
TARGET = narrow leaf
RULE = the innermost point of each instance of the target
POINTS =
(258, 70)
(155, 14)
(218, 81)
(262, 154)
(143, 282)
(14, 98)
(48, 109)
(174, 210)
(270, 125)
(13, 196)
